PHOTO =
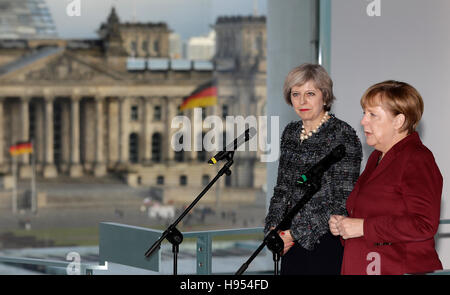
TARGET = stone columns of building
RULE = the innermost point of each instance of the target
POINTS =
(76, 170)
(100, 164)
(170, 113)
(113, 127)
(2, 136)
(64, 165)
(39, 136)
(148, 130)
(49, 168)
(124, 130)
(25, 170)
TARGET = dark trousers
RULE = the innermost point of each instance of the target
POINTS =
(325, 259)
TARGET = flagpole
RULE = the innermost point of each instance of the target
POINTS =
(14, 191)
(33, 181)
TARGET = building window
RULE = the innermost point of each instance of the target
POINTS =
(259, 44)
(145, 47)
(57, 132)
(160, 180)
(157, 115)
(134, 113)
(32, 125)
(134, 148)
(156, 47)
(183, 180)
(133, 47)
(156, 147)
(205, 180)
(179, 155)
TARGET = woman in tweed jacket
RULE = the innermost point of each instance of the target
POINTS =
(309, 247)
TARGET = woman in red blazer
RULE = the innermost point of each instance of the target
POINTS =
(394, 208)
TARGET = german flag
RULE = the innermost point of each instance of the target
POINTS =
(21, 148)
(205, 95)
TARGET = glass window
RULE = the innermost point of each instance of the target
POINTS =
(156, 47)
(133, 46)
(32, 122)
(134, 113)
(134, 148)
(179, 155)
(57, 132)
(151, 72)
(157, 115)
(156, 147)
(183, 180)
(145, 46)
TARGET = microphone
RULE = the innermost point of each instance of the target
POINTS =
(311, 180)
(316, 171)
(249, 133)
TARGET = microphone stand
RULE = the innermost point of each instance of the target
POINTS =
(311, 182)
(172, 234)
(272, 240)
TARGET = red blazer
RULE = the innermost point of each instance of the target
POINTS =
(399, 200)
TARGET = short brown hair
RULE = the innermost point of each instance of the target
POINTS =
(398, 98)
(310, 72)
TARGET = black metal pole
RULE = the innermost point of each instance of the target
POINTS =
(172, 234)
(272, 240)
(247, 263)
(276, 259)
(224, 170)
(175, 250)
(311, 182)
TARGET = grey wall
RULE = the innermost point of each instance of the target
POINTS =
(409, 41)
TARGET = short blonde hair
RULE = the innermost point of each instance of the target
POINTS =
(310, 72)
(398, 98)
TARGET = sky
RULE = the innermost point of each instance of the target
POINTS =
(186, 17)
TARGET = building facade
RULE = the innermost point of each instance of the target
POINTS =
(90, 112)
(240, 68)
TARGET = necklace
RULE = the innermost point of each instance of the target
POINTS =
(304, 135)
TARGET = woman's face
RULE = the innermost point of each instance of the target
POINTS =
(380, 127)
(307, 101)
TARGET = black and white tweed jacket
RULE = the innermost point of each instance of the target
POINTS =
(295, 159)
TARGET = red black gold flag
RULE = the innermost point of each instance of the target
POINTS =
(21, 148)
(205, 95)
